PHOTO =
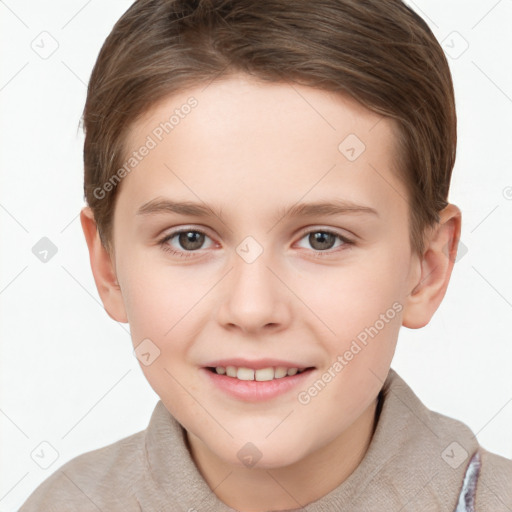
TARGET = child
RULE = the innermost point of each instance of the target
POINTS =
(304, 150)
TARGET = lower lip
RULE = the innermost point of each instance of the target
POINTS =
(253, 390)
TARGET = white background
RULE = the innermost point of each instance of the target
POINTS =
(68, 374)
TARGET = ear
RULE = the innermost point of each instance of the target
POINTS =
(103, 269)
(436, 265)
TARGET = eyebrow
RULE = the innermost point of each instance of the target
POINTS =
(329, 208)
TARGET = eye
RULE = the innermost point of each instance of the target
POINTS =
(187, 241)
(323, 240)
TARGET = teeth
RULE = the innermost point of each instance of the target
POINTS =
(245, 374)
(280, 372)
(264, 374)
(260, 375)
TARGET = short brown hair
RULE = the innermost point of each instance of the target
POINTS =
(380, 52)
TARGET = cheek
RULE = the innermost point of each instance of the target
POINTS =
(155, 298)
(165, 313)
(360, 307)
(159, 330)
(349, 298)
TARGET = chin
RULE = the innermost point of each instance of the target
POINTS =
(264, 454)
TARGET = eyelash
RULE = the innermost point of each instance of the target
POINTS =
(188, 254)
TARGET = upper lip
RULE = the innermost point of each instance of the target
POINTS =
(256, 364)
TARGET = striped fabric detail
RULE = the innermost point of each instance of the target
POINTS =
(467, 495)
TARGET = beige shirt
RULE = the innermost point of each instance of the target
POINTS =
(418, 460)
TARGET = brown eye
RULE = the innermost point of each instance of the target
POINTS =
(191, 240)
(184, 242)
(322, 240)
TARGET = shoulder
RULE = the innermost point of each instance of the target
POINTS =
(494, 487)
(430, 447)
(494, 484)
(94, 480)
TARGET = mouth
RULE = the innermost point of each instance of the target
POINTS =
(265, 383)
(260, 374)
(256, 380)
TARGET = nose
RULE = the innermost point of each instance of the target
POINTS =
(254, 298)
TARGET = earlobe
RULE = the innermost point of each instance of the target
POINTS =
(103, 269)
(436, 266)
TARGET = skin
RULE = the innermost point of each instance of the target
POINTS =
(250, 149)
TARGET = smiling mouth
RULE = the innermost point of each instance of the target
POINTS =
(260, 375)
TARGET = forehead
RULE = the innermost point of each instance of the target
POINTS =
(246, 139)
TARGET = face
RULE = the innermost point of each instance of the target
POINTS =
(292, 251)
